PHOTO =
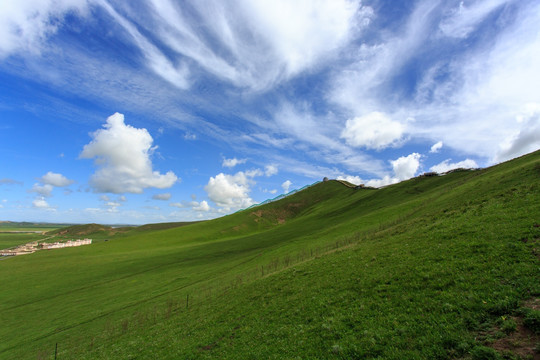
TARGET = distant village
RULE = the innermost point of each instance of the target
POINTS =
(34, 246)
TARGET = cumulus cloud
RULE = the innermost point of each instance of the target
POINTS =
(195, 205)
(203, 206)
(55, 179)
(41, 203)
(230, 191)
(372, 131)
(164, 196)
(286, 185)
(353, 179)
(111, 206)
(447, 165)
(43, 190)
(48, 182)
(406, 167)
(403, 168)
(436, 147)
(122, 155)
(230, 163)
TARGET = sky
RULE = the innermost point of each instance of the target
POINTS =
(134, 112)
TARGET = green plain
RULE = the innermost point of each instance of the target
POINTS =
(416, 270)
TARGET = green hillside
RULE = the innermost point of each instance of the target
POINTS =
(433, 267)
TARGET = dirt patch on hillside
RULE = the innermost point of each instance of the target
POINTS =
(278, 215)
(522, 342)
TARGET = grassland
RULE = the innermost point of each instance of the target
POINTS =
(17, 233)
(438, 267)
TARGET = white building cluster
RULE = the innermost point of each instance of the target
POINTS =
(32, 247)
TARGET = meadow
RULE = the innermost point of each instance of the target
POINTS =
(438, 267)
(18, 233)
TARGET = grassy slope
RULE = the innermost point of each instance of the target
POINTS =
(18, 233)
(9, 240)
(424, 265)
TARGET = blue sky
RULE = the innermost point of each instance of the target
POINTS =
(140, 112)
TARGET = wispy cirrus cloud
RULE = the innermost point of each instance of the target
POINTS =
(8, 181)
(26, 25)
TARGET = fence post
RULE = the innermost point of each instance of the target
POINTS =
(187, 301)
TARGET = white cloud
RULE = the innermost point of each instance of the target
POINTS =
(372, 131)
(403, 168)
(464, 19)
(203, 206)
(353, 179)
(446, 165)
(301, 32)
(49, 181)
(164, 196)
(436, 147)
(262, 42)
(468, 101)
(230, 163)
(406, 167)
(55, 179)
(25, 25)
(524, 140)
(270, 170)
(122, 154)
(230, 191)
(177, 74)
(286, 185)
(43, 190)
(197, 206)
(40, 203)
(360, 86)
(384, 181)
(485, 89)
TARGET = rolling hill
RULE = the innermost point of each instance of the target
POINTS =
(433, 267)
